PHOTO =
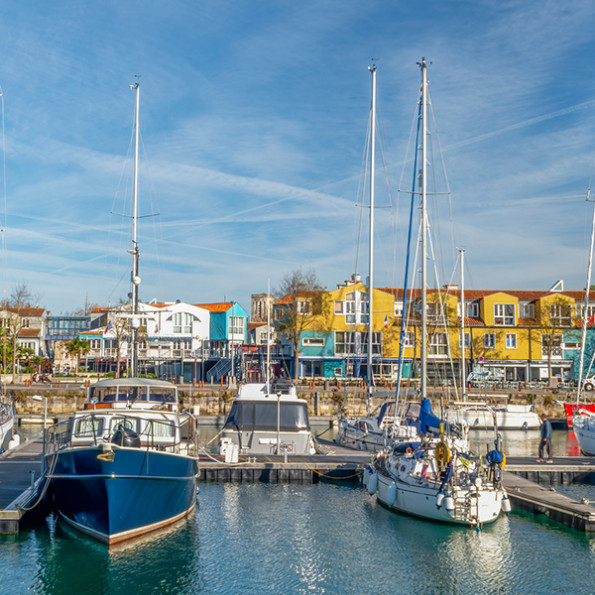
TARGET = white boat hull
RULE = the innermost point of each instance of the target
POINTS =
(584, 430)
(421, 501)
(508, 417)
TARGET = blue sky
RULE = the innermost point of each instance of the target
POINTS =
(254, 118)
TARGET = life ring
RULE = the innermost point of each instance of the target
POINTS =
(442, 453)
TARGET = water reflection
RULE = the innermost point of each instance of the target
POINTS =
(69, 562)
(525, 443)
(280, 538)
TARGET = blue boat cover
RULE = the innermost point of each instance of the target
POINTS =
(495, 456)
(427, 421)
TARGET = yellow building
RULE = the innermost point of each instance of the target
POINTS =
(512, 335)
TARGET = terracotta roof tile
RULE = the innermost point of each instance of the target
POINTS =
(29, 332)
(217, 307)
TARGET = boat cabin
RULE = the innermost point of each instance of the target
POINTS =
(259, 417)
(137, 393)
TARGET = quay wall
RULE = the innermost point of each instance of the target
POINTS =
(65, 397)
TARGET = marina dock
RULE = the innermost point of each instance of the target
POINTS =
(523, 478)
(20, 480)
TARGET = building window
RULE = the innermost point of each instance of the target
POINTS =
(467, 340)
(236, 326)
(304, 307)
(435, 310)
(551, 345)
(350, 311)
(510, 340)
(313, 342)
(472, 309)
(177, 319)
(580, 310)
(560, 314)
(409, 339)
(356, 343)
(364, 308)
(504, 314)
(338, 307)
(438, 344)
(313, 369)
(529, 311)
(187, 323)
(489, 340)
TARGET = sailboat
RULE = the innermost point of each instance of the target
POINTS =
(440, 479)
(127, 464)
(7, 415)
(583, 417)
(390, 420)
(475, 410)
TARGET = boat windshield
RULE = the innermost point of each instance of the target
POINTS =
(95, 426)
(133, 394)
(249, 416)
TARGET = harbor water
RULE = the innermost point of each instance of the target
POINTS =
(262, 538)
(304, 538)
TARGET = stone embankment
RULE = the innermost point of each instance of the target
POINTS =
(67, 395)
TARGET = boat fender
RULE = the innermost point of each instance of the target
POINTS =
(439, 500)
(372, 483)
(506, 507)
(449, 503)
(14, 441)
(442, 453)
(366, 476)
(391, 494)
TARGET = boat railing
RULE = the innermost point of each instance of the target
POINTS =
(88, 430)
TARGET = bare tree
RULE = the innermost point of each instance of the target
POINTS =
(13, 318)
(301, 299)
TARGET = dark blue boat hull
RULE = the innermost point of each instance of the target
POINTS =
(137, 492)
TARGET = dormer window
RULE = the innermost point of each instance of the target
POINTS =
(504, 314)
(560, 314)
(472, 309)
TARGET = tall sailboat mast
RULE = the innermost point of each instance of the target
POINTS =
(462, 265)
(370, 376)
(424, 225)
(134, 277)
(585, 311)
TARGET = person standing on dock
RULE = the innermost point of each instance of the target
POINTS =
(546, 439)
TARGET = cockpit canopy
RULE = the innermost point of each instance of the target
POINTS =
(262, 415)
(133, 390)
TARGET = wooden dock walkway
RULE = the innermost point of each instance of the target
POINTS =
(20, 478)
(537, 499)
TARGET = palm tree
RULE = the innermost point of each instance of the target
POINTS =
(78, 347)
